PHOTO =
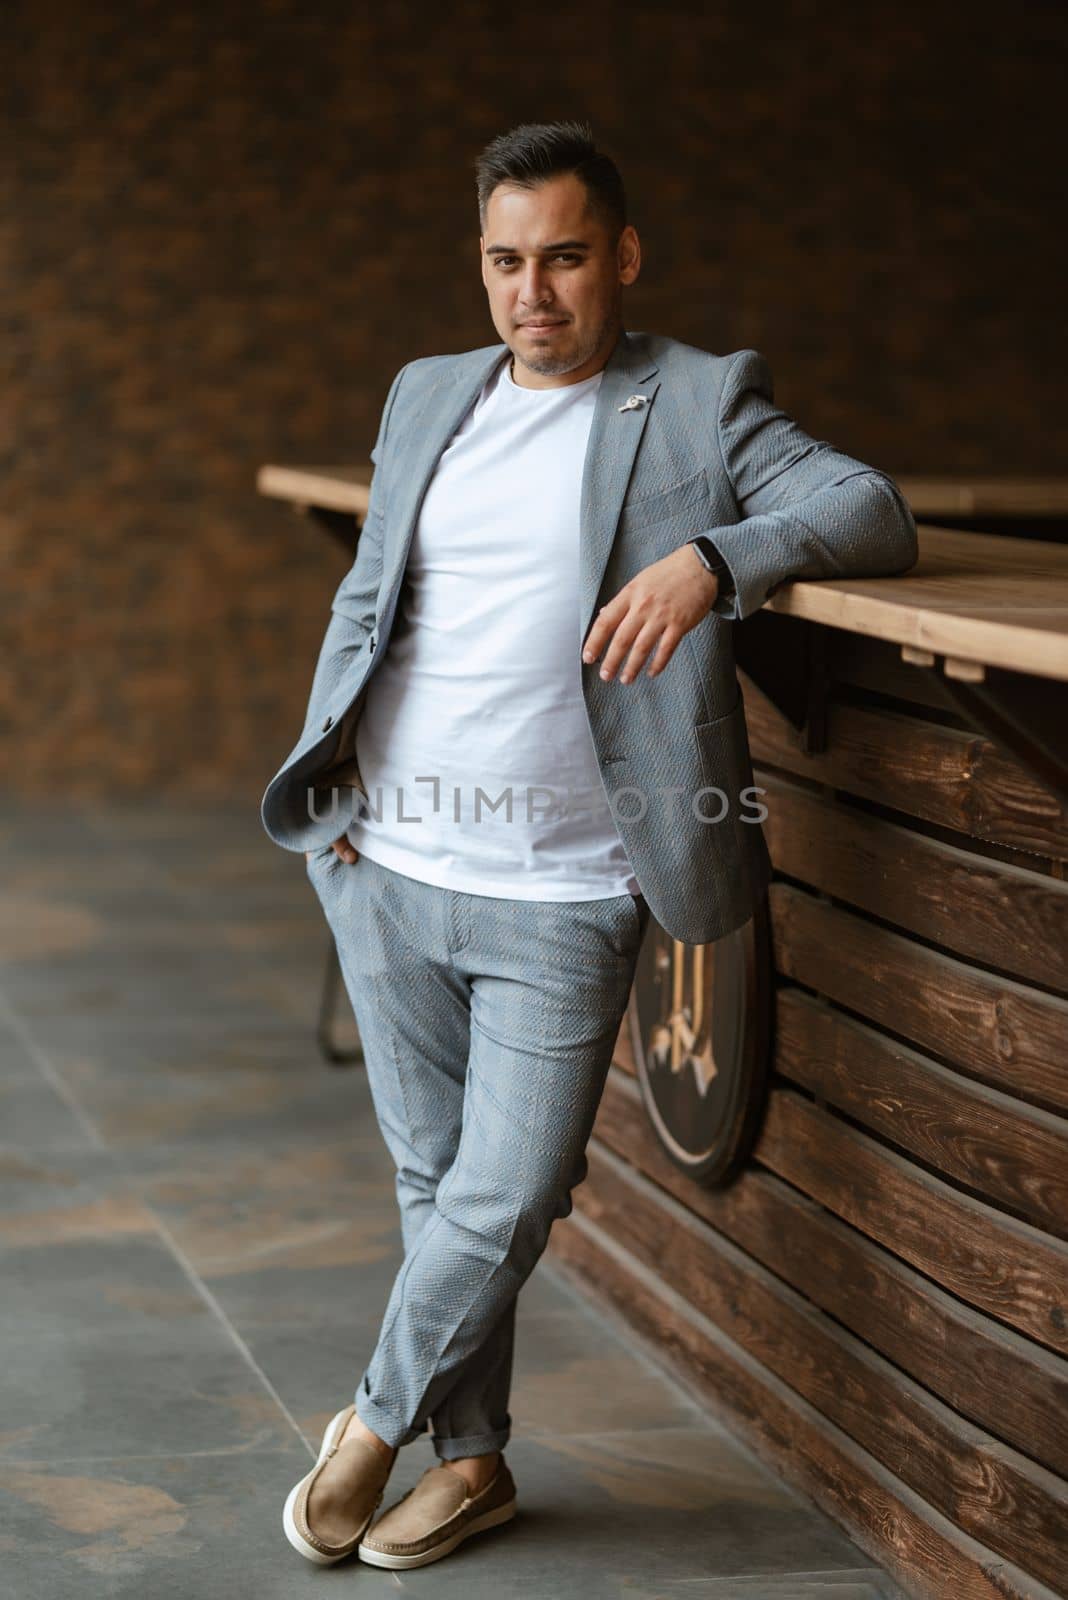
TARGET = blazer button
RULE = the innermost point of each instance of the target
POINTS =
(328, 723)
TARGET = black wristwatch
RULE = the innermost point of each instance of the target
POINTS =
(710, 556)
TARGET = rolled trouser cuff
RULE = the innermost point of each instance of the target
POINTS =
(475, 1444)
(388, 1429)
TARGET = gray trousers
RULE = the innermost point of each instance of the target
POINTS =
(487, 1028)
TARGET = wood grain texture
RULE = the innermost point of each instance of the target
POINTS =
(1006, 1268)
(988, 911)
(1012, 1387)
(920, 1547)
(1004, 1033)
(952, 777)
(1017, 1508)
(1009, 1152)
(970, 595)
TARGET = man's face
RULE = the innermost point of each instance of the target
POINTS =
(554, 275)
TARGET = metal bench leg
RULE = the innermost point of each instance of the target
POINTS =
(333, 987)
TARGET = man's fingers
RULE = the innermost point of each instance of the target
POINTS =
(631, 645)
(342, 848)
(665, 649)
(622, 640)
(649, 616)
(641, 652)
(651, 647)
(652, 650)
(606, 621)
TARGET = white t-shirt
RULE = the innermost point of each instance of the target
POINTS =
(473, 742)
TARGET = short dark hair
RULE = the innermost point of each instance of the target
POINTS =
(535, 151)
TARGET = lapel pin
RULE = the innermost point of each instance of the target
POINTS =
(633, 402)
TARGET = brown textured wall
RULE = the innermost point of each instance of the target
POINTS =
(224, 227)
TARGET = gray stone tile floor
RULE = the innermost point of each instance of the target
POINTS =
(198, 1235)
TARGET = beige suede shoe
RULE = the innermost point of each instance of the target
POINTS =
(433, 1518)
(361, 1472)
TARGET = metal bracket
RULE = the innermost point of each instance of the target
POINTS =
(1024, 714)
(788, 660)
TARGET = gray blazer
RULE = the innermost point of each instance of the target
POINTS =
(705, 453)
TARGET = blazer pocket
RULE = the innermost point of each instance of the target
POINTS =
(723, 751)
(688, 496)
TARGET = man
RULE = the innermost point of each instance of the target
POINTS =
(548, 517)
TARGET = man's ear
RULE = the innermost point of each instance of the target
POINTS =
(629, 254)
(482, 257)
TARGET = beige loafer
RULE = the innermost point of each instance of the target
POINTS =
(435, 1516)
(368, 1470)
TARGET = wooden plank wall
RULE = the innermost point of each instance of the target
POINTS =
(880, 1302)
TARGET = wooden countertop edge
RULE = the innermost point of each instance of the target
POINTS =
(975, 597)
(331, 488)
(931, 496)
(986, 640)
(961, 626)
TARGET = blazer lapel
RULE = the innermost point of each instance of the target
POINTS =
(613, 444)
(444, 407)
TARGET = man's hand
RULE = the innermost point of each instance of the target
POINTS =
(344, 849)
(654, 610)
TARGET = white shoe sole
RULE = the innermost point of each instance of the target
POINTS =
(292, 1532)
(489, 1519)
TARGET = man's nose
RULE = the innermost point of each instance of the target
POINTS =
(534, 289)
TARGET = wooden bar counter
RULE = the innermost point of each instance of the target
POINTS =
(878, 1299)
(874, 1293)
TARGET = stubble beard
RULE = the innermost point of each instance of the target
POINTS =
(554, 366)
